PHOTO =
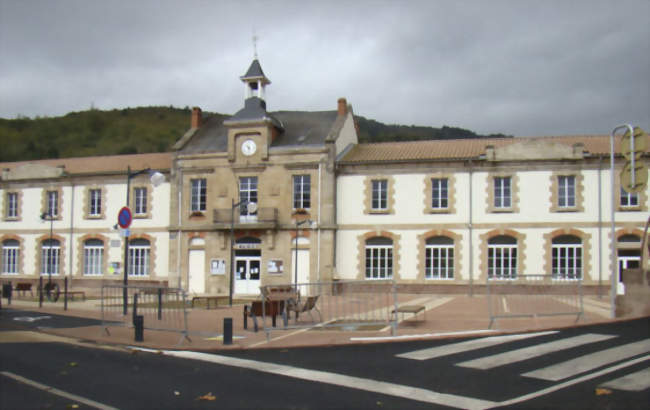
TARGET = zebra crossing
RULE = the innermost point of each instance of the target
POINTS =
(539, 346)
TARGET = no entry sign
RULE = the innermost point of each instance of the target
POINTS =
(124, 217)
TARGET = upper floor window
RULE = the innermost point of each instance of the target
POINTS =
(502, 192)
(439, 258)
(10, 255)
(93, 257)
(95, 202)
(379, 258)
(52, 206)
(379, 195)
(247, 194)
(50, 257)
(139, 257)
(566, 257)
(198, 196)
(439, 193)
(629, 199)
(566, 195)
(12, 205)
(301, 191)
(140, 200)
(502, 257)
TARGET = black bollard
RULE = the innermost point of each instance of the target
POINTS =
(138, 323)
(160, 291)
(227, 330)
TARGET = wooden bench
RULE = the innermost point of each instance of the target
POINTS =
(257, 309)
(207, 300)
(24, 287)
(413, 309)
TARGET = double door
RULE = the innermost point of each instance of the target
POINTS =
(247, 274)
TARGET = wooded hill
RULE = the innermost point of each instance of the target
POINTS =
(150, 129)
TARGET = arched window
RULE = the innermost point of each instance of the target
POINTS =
(502, 257)
(139, 254)
(567, 257)
(93, 257)
(379, 258)
(50, 257)
(10, 255)
(439, 258)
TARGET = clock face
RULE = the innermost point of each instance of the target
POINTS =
(248, 147)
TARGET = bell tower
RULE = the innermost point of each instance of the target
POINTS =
(255, 81)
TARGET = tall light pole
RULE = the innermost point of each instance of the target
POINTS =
(295, 265)
(156, 178)
(48, 216)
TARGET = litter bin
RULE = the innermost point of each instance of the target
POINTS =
(6, 291)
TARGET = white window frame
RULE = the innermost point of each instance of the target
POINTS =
(248, 194)
(566, 195)
(506, 254)
(10, 257)
(12, 205)
(139, 259)
(140, 194)
(439, 193)
(54, 252)
(439, 261)
(628, 199)
(379, 262)
(53, 203)
(95, 202)
(379, 199)
(569, 263)
(198, 195)
(301, 192)
(93, 258)
(502, 192)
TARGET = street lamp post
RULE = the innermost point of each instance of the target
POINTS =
(156, 179)
(295, 251)
(48, 216)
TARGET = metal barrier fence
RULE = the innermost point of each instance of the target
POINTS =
(347, 305)
(161, 308)
(533, 296)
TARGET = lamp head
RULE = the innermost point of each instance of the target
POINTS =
(156, 178)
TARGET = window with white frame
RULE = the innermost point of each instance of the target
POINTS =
(93, 257)
(10, 254)
(139, 254)
(379, 258)
(301, 191)
(502, 192)
(629, 199)
(198, 195)
(95, 202)
(140, 200)
(247, 195)
(566, 196)
(379, 200)
(566, 257)
(50, 257)
(12, 205)
(439, 258)
(53, 203)
(439, 193)
(502, 257)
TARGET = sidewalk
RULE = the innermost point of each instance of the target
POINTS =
(445, 316)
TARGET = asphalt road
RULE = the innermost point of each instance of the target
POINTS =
(375, 376)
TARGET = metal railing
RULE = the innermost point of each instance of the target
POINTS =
(346, 305)
(162, 308)
(263, 216)
(533, 296)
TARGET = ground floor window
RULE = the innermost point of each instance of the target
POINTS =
(567, 257)
(379, 258)
(139, 254)
(502, 257)
(10, 253)
(439, 258)
(93, 257)
(50, 257)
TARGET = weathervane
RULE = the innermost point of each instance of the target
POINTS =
(255, 43)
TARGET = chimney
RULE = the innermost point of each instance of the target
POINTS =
(343, 106)
(196, 117)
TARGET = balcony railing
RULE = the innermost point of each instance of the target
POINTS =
(264, 216)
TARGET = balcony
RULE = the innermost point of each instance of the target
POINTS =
(265, 218)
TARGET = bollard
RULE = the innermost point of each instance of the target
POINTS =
(138, 323)
(160, 303)
(135, 307)
(7, 290)
(227, 330)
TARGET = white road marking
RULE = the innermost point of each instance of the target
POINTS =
(57, 392)
(422, 335)
(526, 353)
(30, 318)
(375, 386)
(589, 362)
(632, 382)
(433, 352)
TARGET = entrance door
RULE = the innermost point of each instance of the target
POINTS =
(197, 271)
(627, 259)
(247, 275)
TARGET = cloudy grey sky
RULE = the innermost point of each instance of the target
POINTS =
(516, 67)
